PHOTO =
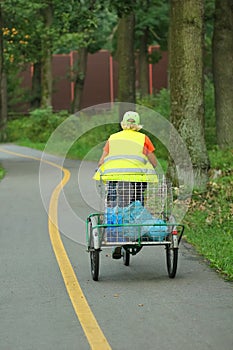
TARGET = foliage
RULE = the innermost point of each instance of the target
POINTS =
(23, 31)
(41, 123)
(82, 23)
(16, 94)
(75, 24)
(38, 127)
(150, 16)
(221, 160)
(209, 220)
(106, 22)
(122, 7)
(2, 172)
(90, 144)
(154, 16)
(159, 102)
(84, 28)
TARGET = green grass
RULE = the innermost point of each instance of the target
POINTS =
(27, 143)
(2, 173)
(209, 220)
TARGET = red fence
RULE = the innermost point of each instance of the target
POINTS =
(101, 79)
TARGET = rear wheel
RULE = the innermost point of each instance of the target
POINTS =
(126, 257)
(94, 255)
(172, 260)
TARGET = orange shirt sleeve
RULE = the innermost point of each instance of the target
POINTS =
(148, 146)
(106, 147)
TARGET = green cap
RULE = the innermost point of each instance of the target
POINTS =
(131, 117)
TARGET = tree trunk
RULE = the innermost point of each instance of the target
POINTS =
(126, 61)
(3, 84)
(36, 86)
(143, 65)
(186, 86)
(223, 71)
(46, 61)
(80, 75)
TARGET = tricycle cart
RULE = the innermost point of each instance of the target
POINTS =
(133, 215)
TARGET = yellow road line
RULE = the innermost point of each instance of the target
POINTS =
(87, 320)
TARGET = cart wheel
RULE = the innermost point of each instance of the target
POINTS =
(172, 259)
(94, 255)
(126, 257)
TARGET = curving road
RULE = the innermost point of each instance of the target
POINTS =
(47, 297)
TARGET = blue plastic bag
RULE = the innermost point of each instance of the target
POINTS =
(112, 217)
(151, 228)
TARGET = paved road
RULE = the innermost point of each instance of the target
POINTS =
(136, 307)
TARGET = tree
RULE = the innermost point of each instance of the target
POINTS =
(143, 64)
(79, 80)
(37, 29)
(46, 57)
(36, 86)
(151, 29)
(87, 26)
(126, 59)
(3, 84)
(223, 71)
(186, 84)
(28, 41)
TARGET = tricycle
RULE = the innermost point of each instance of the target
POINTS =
(134, 215)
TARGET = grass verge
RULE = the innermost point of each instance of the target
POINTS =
(2, 172)
(209, 219)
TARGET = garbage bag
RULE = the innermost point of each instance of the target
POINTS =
(154, 229)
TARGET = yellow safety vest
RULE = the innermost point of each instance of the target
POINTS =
(126, 161)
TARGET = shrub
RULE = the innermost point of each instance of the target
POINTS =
(37, 127)
(208, 221)
(2, 172)
(42, 123)
(159, 102)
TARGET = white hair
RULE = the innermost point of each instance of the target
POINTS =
(128, 126)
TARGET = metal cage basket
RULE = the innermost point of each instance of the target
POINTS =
(135, 210)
